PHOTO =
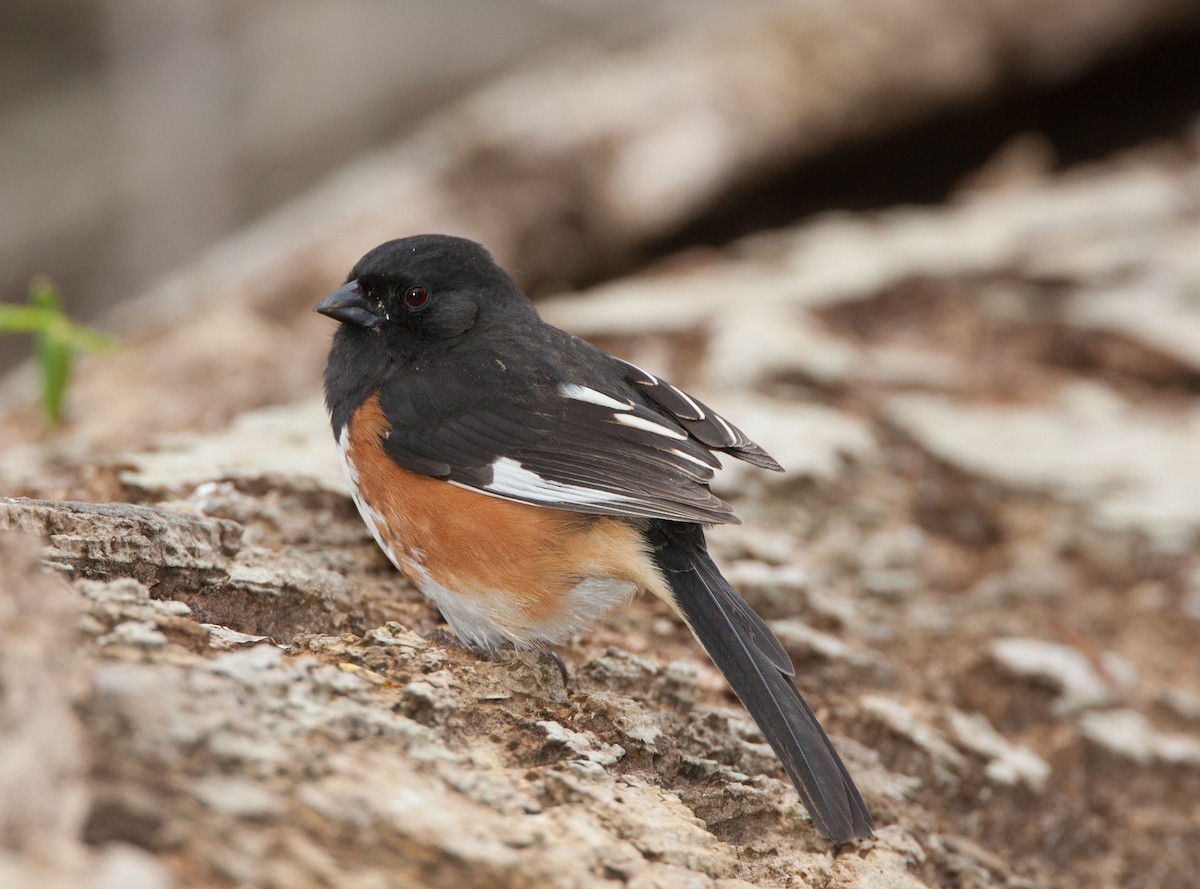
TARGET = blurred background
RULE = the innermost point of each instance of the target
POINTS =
(135, 133)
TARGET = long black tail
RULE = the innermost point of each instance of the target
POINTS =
(759, 670)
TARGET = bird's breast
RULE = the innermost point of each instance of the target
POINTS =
(499, 570)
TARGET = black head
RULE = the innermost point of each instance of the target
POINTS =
(404, 303)
(424, 289)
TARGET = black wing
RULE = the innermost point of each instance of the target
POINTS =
(589, 433)
(453, 420)
(701, 421)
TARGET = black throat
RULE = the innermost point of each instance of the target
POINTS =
(359, 362)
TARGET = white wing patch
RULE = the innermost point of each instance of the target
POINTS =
(593, 396)
(724, 424)
(511, 479)
(653, 379)
(684, 455)
(687, 400)
(648, 425)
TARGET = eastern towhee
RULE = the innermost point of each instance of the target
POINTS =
(528, 482)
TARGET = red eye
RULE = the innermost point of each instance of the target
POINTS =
(416, 297)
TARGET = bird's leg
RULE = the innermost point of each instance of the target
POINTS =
(549, 654)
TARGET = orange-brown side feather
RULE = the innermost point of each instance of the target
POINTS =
(475, 544)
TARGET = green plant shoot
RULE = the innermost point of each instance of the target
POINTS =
(55, 341)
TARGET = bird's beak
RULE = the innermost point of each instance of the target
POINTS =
(348, 305)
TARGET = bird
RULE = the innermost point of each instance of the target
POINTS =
(528, 483)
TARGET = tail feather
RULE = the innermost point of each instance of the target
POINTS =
(752, 659)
